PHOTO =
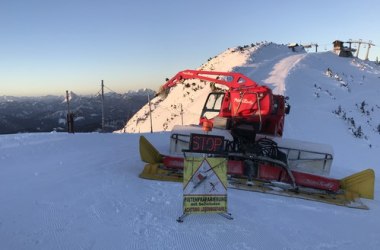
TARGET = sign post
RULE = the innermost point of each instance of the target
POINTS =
(205, 178)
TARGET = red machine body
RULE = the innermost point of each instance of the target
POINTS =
(270, 173)
(243, 103)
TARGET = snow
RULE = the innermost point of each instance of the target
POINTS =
(280, 72)
(82, 191)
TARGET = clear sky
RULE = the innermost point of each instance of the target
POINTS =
(50, 46)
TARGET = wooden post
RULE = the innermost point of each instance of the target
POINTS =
(359, 43)
(150, 115)
(68, 101)
(369, 46)
(181, 115)
(70, 115)
(102, 86)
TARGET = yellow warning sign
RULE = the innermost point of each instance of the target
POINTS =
(205, 185)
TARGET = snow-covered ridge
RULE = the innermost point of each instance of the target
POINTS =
(185, 101)
(330, 108)
(299, 75)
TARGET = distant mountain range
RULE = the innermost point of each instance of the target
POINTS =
(48, 113)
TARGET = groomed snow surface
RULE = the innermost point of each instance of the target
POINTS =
(82, 191)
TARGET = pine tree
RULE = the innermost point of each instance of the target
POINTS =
(362, 107)
(358, 133)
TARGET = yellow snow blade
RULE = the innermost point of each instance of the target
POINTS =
(148, 152)
(153, 171)
(361, 184)
(349, 199)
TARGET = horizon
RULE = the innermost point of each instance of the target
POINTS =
(76, 93)
(49, 48)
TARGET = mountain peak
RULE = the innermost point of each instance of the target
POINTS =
(299, 75)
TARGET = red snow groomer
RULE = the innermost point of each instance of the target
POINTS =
(250, 119)
(245, 102)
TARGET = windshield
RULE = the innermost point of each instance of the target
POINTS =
(213, 105)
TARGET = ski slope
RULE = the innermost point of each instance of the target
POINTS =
(82, 191)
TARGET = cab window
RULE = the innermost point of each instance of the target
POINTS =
(213, 105)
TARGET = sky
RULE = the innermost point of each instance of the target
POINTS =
(50, 46)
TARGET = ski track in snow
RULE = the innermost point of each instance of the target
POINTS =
(280, 71)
